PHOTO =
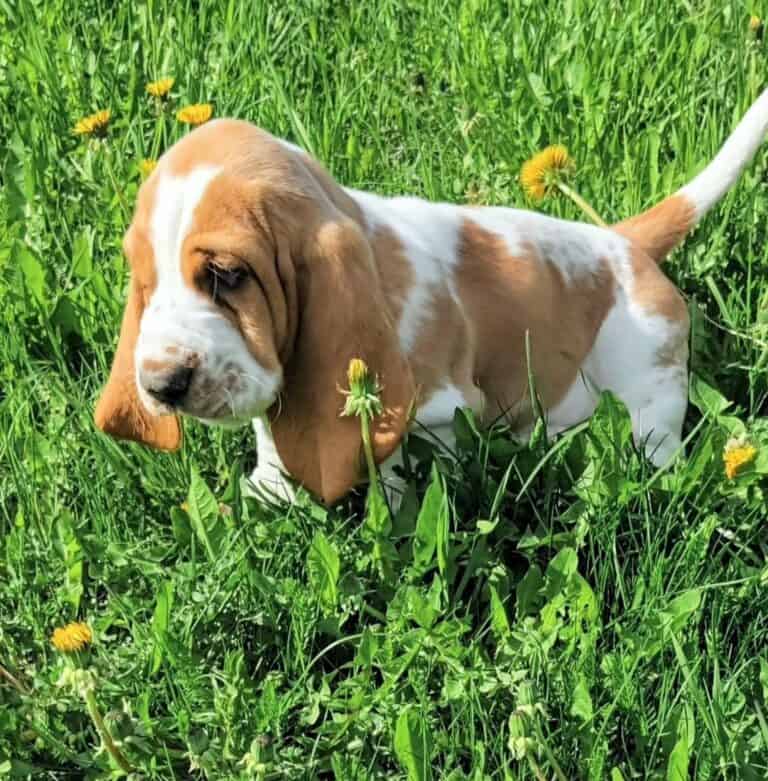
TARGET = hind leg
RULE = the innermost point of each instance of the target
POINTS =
(641, 355)
(657, 406)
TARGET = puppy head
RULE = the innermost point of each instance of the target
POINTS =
(251, 280)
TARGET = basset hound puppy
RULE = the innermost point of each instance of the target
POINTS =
(255, 278)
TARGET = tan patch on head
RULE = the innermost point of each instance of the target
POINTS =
(657, 231)
(506, 296)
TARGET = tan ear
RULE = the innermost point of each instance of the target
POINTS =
(342, 315)
(119, 411)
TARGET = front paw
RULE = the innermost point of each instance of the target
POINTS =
(268, 482)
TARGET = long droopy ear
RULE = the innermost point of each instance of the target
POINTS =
(342, 315)
(119, 411)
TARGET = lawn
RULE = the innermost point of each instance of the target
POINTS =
(539, 610)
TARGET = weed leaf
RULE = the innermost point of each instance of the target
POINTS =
(204, 515)
(323, 569)
(160, 621)
(413, 745)
(433, 513)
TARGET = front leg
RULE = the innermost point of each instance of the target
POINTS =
(269, 475)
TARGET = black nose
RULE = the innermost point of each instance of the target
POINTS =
(172, 388)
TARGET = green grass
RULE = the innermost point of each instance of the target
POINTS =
(556, 609)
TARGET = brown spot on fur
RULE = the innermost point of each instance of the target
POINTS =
(506, 296)
(653, 292)
(656, 295)
(657, 231)
(157, 366)
(445, 351)
(394, 268)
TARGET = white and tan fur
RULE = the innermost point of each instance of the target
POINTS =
(438, 299)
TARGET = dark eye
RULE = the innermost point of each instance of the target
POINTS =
(225, 278)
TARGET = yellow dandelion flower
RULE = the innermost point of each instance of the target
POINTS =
(738, 453)
(161, 87)
(95, 124)
(357, 371)
(72, 637)
(195, 114)
(539, 174)
(146, 166)
(755, 23)
(185, 506)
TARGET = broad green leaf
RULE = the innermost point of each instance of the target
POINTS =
(465, 430)
(679, 759)
(323, 569)
(529, 591)
(160, 621)
(539, 89)
(669, 621)
(611, 423)
(707, 399)
(204, 515)
(180, 525)
(72, 553)
(82, 253)
(32, 271)
(499, 620)
(376, 530)
(581, 706)
(65, 317)
(680, 609)
(413, 745)
(433, 508)
(377, 519)
(559, 571)
(366, 650)
(422, 607)
(441, 539)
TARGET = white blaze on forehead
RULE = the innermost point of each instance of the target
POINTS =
(176, 199)
(179, 322)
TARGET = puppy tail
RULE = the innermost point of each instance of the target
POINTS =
(661, 228)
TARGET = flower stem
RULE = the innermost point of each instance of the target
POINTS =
(13, 680)
(111, 173)
(365, 428)
(93, 709)
(581, 203)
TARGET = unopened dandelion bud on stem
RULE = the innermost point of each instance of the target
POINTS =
(364, 402)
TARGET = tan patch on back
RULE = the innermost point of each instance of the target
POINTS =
(657, 231)
(506, 296)
(444, 350)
